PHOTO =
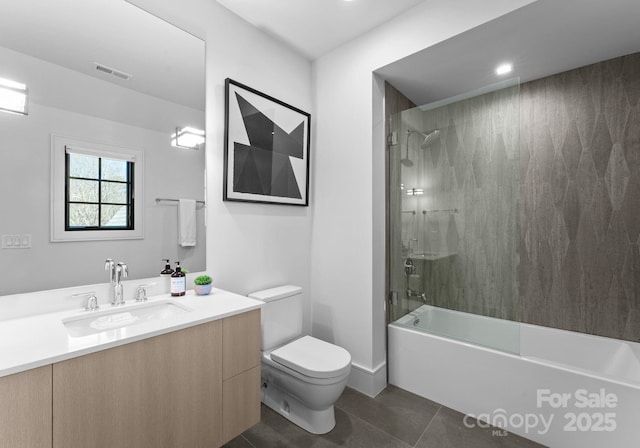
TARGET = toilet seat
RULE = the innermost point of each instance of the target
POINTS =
(313, 357)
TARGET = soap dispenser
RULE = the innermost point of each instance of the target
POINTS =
(178, 282)
(167, 271)
(165, 274)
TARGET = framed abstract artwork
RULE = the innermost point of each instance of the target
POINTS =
(266, 156)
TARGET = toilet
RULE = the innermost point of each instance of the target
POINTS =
(302, 376)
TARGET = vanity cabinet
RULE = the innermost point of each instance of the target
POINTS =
(25, 409)
(197, 387)
(159, 392)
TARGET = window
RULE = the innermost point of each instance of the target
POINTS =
(99, 191)
(96, 191)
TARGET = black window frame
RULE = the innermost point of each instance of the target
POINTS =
(130, 183)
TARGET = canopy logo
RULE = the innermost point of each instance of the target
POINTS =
(596, 417)
(501, 419)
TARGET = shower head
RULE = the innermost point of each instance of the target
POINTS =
(430, 137)
(406, 162)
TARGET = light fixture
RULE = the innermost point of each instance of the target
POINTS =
(415, 191)
(503, 69)
(13, 97)
(187, 137)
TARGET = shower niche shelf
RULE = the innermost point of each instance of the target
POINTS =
(430, 256)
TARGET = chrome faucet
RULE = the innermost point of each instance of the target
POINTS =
(121, 271)
(110, 265)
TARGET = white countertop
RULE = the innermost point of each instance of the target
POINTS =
(42, 339)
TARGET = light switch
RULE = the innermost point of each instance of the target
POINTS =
(7, 241)
(16, 241)
(26, 241)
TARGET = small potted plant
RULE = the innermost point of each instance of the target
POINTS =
(202, 285)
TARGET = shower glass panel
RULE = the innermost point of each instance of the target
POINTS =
(454, 218)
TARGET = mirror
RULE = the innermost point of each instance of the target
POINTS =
(107, 72)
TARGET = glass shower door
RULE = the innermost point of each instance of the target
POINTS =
(454, 218)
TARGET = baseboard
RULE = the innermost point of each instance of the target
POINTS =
(369, 382)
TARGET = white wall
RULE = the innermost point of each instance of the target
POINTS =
(249, 246)
(347, 240)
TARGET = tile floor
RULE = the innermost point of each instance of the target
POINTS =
(394, 419)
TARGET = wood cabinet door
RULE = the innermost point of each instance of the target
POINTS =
(162, 392)
(241, 373)
(240, 403)
(241, 339)
(25, 409)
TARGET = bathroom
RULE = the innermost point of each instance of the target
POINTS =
(334, 249)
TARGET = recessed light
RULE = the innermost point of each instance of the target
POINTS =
(503, 69)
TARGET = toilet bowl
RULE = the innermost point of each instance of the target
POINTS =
(302, 376)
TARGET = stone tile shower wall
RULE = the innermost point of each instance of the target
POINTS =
(553, 241)
(580, 211)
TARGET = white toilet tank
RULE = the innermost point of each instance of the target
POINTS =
(281, 313)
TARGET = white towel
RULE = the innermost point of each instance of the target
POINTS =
(187, 222)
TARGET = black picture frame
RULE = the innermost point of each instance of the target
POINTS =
(266, 148)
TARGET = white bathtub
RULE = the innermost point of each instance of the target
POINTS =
(564, 389)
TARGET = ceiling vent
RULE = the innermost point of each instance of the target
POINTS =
(113, 72)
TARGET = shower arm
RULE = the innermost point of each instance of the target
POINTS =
(409, 132)
(407, 145)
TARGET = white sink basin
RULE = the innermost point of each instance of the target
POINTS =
(114, 318)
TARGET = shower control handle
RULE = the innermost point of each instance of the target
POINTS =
(411, 293)
(409, 267)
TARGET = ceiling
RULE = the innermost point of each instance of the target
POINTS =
(165, 61)
(315, 27)
(540, 39)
